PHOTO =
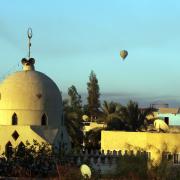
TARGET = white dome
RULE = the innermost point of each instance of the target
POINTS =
(31, 96)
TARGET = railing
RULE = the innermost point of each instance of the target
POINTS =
(96, 156)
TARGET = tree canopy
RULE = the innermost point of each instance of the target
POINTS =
(75, 99)
(135, 117)
(93, 95)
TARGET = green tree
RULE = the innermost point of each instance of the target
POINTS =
(132, 167)
(112, 116)
(29, 160)
(110, 110)
(73, 124)
(93, 95)
(75, 99)
(93, 139)
(135, 117)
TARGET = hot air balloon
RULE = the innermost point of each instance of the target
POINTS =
(123, 54)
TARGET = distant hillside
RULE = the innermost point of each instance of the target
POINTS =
(124, 98)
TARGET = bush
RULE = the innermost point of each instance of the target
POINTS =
(131, 166)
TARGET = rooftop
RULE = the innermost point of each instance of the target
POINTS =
(169, 110)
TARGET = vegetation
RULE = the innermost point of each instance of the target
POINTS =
(29, 161)
(165, 171)
(111, 110)
(132, 167)
(72, 116)
(117, 117)
(40, 161)
(75, 100)
(112, 116)
(69, 172)
(129, 118)
(135, 167)
(135, 117)
(93, 139)
(93, 95)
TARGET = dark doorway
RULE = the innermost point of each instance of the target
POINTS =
(8, 150)
(14, 119)
(44, 120)
(166, 120)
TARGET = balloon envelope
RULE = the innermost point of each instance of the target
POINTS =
(123, 54)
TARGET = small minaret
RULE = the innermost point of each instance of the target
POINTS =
(28, 64)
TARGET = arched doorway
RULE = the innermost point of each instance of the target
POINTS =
(44, 120)
(8, 150)
(14, 119)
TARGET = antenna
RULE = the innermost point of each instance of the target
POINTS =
(29, 33)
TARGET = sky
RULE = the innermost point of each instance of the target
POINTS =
(71, 38)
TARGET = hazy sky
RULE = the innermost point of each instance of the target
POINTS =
(73, 37)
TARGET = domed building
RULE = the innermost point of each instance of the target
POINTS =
(31, 109)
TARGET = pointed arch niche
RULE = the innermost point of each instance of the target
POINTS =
(44, 121)
(14, 119)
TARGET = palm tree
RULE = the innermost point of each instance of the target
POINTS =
(135, 117)
(110, 110)
(112, 115)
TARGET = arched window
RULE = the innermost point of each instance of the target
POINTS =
(14, 119)
(44, 120)
(8, 150)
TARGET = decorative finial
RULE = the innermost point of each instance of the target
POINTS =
(29, 33)
(28, 64)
